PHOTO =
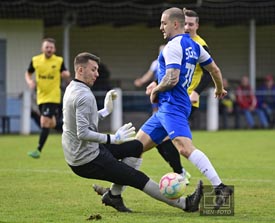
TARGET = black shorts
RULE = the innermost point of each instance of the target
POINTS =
(49, 109)
(107, 165)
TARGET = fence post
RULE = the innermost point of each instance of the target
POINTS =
(116, 115)
(26, 113)
(212, 117)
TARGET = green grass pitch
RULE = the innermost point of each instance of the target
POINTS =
(45, 190)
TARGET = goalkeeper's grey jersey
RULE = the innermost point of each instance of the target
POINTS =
(80, 135)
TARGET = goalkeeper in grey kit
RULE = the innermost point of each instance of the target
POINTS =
(110, 157)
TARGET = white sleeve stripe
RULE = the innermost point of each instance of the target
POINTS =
(204, 55)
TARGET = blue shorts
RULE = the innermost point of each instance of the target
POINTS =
(160, 124)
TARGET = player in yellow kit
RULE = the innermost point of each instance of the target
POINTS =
(201, 77)
(49, 69)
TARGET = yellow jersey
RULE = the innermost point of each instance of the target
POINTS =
(48, 77)
(198, 71)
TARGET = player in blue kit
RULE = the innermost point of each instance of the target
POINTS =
(177, 63)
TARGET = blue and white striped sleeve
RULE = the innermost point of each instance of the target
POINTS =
(173, 54)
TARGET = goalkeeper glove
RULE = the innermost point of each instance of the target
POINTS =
(108, 103)
(123, 134)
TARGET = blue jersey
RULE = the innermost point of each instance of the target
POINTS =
(171, 119)
(181, 53)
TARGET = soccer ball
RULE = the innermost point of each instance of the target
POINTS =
(172, 185)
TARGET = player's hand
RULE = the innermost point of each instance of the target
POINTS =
(154, 96)
(31, 84)
(138, 82)
(194, 97)
(108, 101)
(108, 104)
(124, 134)
(220, 94)
(150, 87)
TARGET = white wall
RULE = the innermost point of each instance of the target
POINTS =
(23, 41)
(128, 51)
(230, 48)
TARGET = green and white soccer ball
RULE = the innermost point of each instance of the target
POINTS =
(172, 185)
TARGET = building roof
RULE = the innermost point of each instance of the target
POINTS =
(123, 13)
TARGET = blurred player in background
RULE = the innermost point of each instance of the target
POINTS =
(149, 76)
(48, 69)
(94, 155)
(201, 78)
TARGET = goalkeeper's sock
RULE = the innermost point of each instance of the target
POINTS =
(134, 162)
(200, 160)
(152, 189)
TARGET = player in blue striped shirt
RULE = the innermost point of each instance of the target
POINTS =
(177, 62)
